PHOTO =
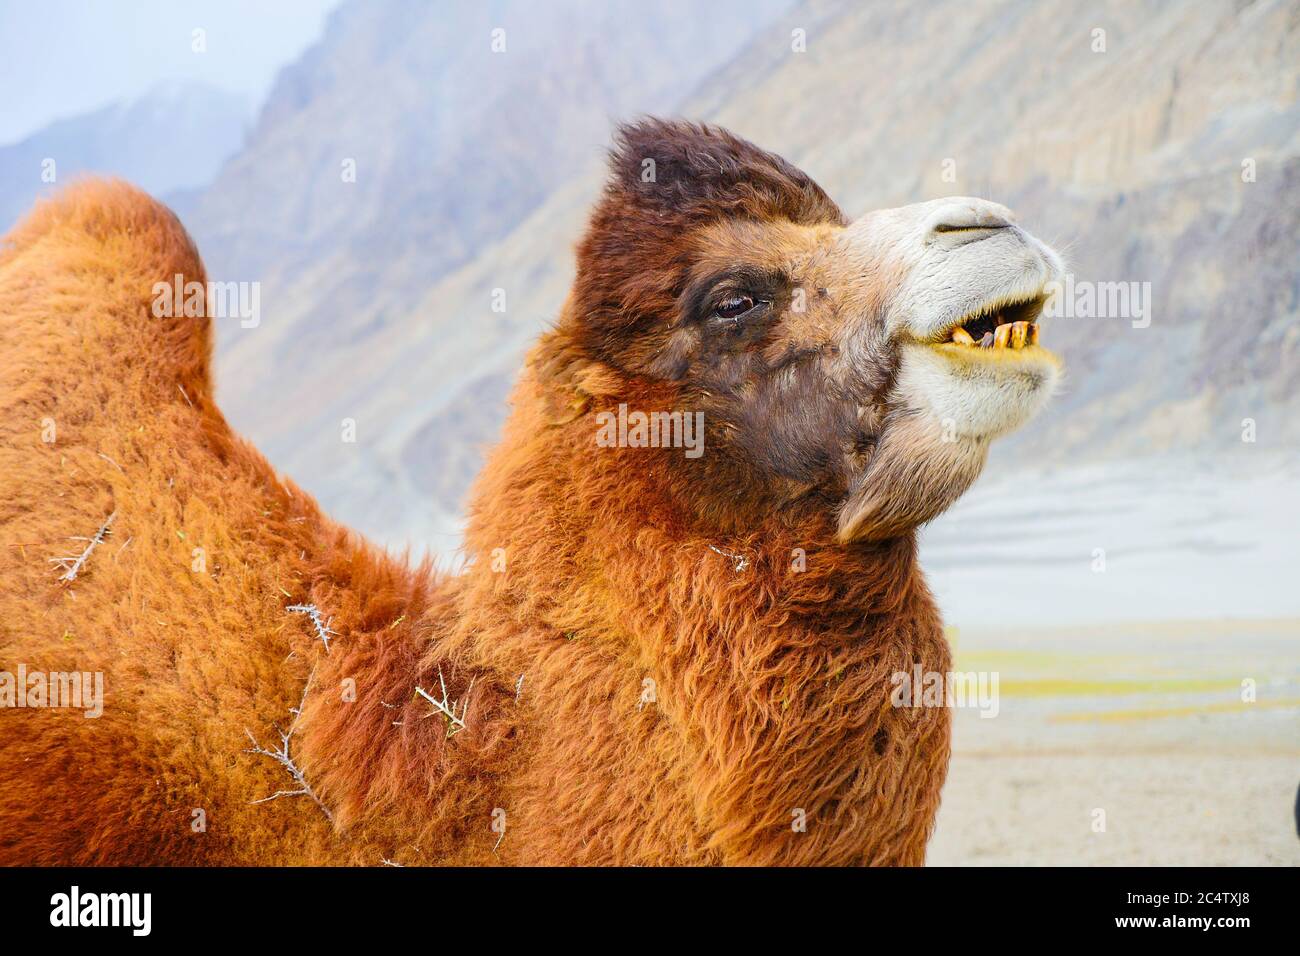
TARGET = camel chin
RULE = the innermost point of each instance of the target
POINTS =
(974, 392)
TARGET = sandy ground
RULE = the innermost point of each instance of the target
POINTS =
(1145, 723)
(1162, 809)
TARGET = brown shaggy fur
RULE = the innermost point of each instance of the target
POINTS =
(594, 575)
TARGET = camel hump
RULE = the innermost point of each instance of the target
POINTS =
(103, 276)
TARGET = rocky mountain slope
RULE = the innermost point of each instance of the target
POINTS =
(1162, 151)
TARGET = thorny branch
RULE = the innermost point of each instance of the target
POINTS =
(323, 630)
(73, 564)
(284, 759)
(742, 562)
(447, 707)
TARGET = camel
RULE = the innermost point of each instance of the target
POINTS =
(649, 657)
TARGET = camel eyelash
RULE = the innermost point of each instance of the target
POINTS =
(737, 306)
(729, 297)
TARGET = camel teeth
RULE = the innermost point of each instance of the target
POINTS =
(1019, 334)
(1008, 335)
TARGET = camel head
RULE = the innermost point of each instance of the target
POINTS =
(858, 369)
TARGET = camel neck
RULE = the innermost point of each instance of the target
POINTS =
(758, 666)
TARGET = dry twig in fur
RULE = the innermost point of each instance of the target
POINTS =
(72, 565)
(742, 562)
(284, 759)
(110, 461)
(323, 630)
(447, 707)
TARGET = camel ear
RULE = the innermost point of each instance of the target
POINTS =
(569, 398)
(568, 379)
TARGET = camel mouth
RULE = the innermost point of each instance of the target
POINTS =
(996, 326)
(984, 374)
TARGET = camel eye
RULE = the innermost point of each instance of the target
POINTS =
(733, 307)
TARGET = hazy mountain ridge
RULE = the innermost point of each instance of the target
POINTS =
(377, 303)
(175, 137)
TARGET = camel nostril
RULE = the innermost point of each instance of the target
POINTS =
(954, 227)
(969, 216)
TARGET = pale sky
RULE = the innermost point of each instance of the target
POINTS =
(59, 58)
